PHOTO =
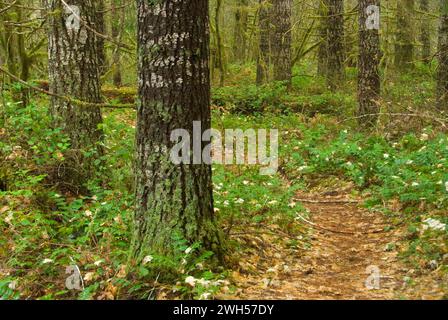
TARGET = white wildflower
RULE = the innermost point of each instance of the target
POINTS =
(12, 285)
(190, 280)
(147, 259)
(9, 217)
(98, 263)
(205, 296)
(88, 213)
(433, 224)
(46, 261)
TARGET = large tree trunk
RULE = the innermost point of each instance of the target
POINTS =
(335, 67)
(404, 46)
(369, 59)
(74, 71)
(263, 60)
(425, 33)
(442, 57)
(172, 200)
(281, 42)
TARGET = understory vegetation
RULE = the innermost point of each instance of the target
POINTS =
(399, 170)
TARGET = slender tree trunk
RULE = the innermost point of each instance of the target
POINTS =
(335, 43)
(240, 32)
(16, 56)
(425, 33)
(101, 29)
(74, 71)
(263, 60)
(404, 46)
(369, 59)
(172, 200)
(219, 49)
(281, 42)
(117, 21)
(442, 57)
(322, 52)
(351, 41)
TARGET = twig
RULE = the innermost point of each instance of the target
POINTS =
(338, 231)
(326, 201)
(68, 99)
(8, 7)
(439, 120)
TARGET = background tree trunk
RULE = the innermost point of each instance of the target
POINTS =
(425, 32)
(117, 28)
(322, 52)
(172, 200)
(264, 54)
(442, 57)
(281, 42)
(368, 75)
(335, 67)
(219, 46)
(404, 45)
(74, 71)
(13, 43)
(240, 32)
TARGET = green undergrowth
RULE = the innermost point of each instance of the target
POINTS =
(45, 228)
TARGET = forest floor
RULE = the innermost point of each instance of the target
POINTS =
(349, 246)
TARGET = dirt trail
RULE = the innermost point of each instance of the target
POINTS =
(335, 265)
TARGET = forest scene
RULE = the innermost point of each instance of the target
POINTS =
(223, 150)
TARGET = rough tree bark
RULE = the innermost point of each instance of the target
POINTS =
(442, 57)
(404, 42)
(368, 73)
(281, 39)
(425, 33)
(74, 71)
(263, 60)
(335, 64)
(174, 90)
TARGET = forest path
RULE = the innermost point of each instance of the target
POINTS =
(346, 239)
